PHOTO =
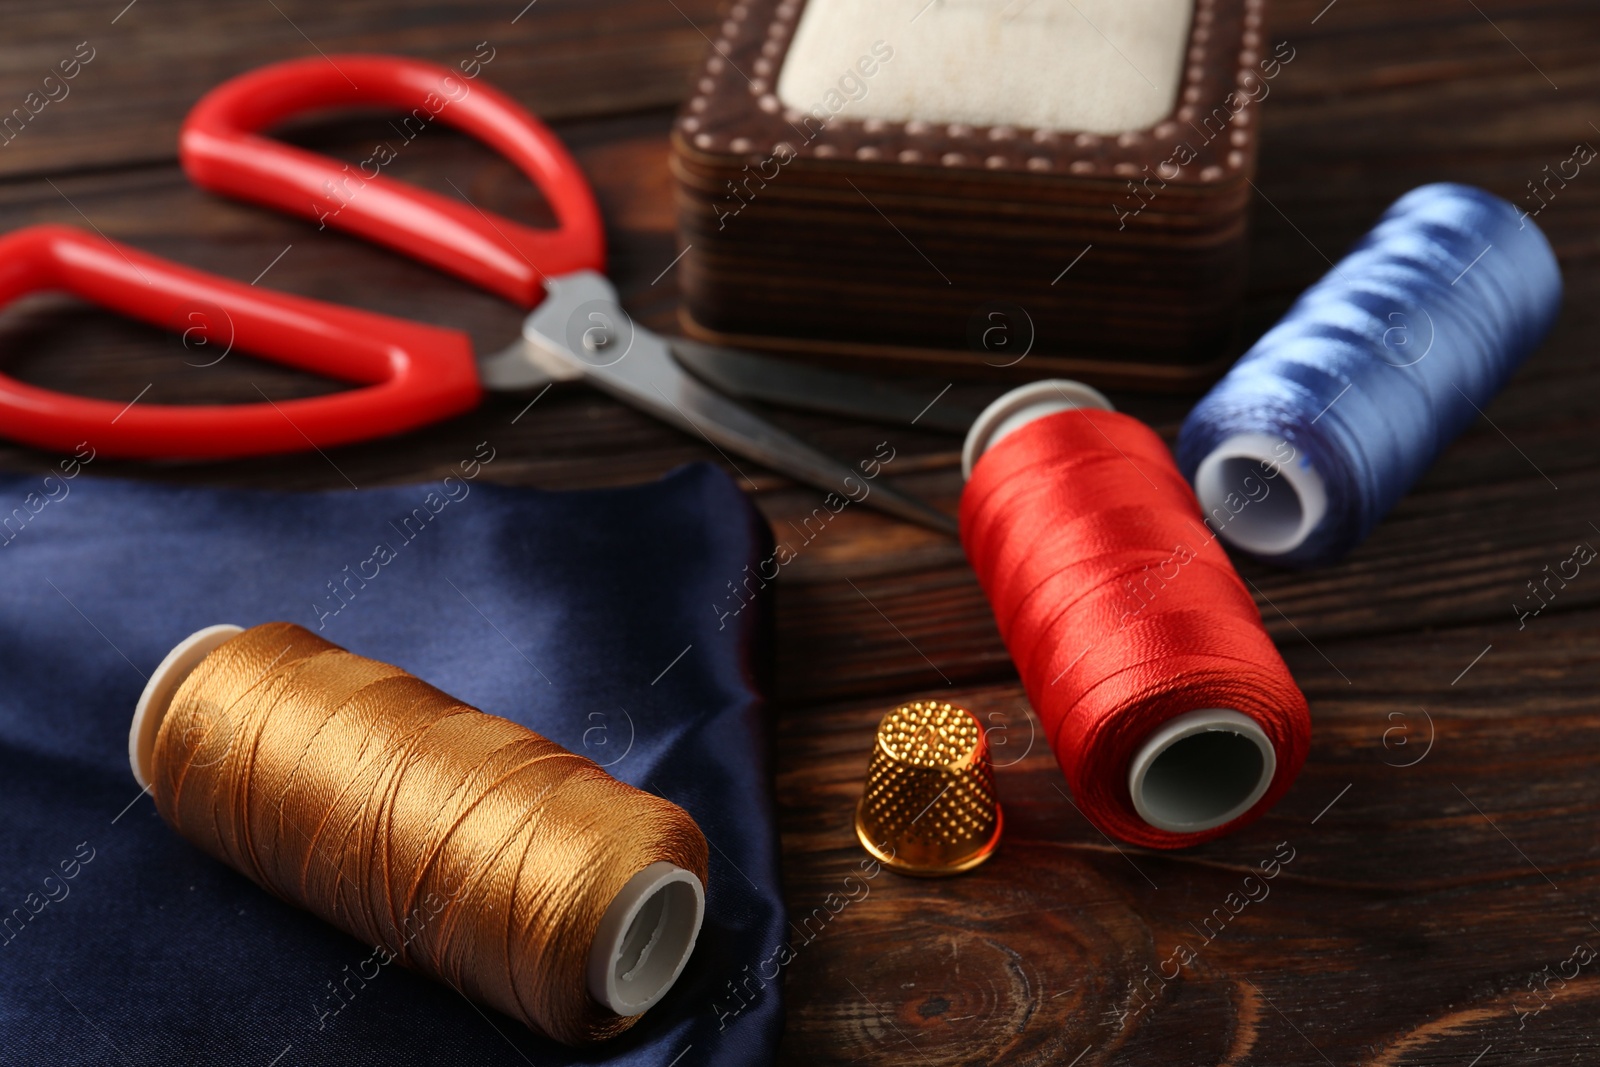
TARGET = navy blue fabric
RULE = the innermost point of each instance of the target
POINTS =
(594, 618)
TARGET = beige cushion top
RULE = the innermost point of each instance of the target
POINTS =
(1102, 66)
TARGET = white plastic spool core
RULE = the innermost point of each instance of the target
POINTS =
(1270, 524)
(1205, 767)
(1021, 406)
(645, 937)
(162, 687)
(1200, 770)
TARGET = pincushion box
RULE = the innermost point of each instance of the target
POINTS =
(957, 182)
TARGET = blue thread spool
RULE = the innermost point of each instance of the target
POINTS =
(1337, 410)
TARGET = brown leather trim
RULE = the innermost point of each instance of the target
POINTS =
(735, 114)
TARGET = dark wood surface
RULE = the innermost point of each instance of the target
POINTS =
(1432, 882)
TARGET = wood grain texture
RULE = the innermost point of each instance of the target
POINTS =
(1444, 830)
(153, 58)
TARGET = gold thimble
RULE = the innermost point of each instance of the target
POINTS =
(928, 806)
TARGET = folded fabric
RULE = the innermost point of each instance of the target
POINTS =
(596, 618)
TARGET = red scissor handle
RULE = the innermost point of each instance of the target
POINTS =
(412, 373)
(222, 150)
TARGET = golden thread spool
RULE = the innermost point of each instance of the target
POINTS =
(928, 806)
(463, 844)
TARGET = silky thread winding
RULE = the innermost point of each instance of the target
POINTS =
(1119, 607)
(465, 845)
(1385, 360)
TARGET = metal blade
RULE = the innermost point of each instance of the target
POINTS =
(795, 385)
(581, 325)
(521, 365)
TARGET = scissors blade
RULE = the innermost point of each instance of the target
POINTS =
(581, 323)
(521, 365)
(790, 384)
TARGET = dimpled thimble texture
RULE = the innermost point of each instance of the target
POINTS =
(929, 806)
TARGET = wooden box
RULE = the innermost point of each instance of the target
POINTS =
(856, 229)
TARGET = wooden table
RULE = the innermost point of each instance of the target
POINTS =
(1443, 833)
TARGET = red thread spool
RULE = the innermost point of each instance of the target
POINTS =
(1167, 705)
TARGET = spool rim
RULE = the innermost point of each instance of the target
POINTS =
(162, 686)
(631, 967)
(1021, 406)
(1263, 532)
(1160, 797)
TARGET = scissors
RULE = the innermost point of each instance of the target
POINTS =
(409, 374)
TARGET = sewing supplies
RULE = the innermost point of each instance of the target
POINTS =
(1336, 411)
(459, 843)
(411, 374)
(1169, 709)
(928, 806)
(959, 185)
